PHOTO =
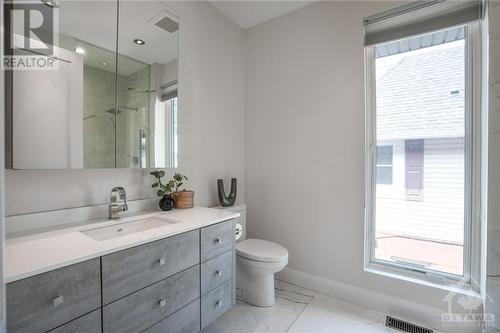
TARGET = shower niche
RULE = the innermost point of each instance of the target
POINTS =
(110, 101)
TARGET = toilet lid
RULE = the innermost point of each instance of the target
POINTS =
(261, 250)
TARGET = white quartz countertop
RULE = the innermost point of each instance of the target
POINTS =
(38, 253)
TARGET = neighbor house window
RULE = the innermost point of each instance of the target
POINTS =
(414, 168)
(384, 165)
(424, 227)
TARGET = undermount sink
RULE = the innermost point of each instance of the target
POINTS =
(126, 228)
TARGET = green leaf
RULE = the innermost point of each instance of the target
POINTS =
(161, 173)
(152, 173)
(160, 193)
(179, 185)
(186, 178)
(171, 183)
(155, 185)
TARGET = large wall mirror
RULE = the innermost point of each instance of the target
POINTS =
(112, 100)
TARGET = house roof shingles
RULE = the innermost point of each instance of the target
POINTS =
(414, 99)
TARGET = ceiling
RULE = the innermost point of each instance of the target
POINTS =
(247, 14)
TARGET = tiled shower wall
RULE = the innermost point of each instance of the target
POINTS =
(134, 102)
(99, 119)
(98, 123)
(492, 304)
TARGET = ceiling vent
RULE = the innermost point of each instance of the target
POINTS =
(168, 24)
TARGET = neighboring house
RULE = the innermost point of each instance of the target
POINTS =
(420, 132)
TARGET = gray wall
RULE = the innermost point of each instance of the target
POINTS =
(211, 105)
(304, 130)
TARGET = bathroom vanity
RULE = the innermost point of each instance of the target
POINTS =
(176, 274)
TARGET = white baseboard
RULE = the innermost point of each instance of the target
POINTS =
(410, 311)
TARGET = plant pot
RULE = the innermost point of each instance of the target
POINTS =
(184, 199)
(167, 202)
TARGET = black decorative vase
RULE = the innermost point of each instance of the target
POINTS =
(167, 202)
(226, 200)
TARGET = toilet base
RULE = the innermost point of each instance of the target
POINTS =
(256, 289)
(255, 281)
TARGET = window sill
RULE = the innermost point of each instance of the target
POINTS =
(438, 282)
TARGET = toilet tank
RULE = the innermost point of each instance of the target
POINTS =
(242, 209)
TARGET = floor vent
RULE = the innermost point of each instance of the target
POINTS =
(405, 326)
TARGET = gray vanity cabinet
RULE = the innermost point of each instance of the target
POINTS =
(215, 303)
(129, 270)
(140, 310)
(216, 239)
(174, 285)
(186, 320)
(89, 323)
(216, 271)
(45, 301)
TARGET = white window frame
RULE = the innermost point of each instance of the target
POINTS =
(470, 281)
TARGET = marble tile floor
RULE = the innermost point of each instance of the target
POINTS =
(299, 310)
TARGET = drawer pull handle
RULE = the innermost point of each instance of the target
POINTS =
(218, 273)
(218, 303)
(218, 240)
(58, 300)
(162, 261)
(163, 303)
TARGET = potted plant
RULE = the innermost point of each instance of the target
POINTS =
(167, 201)
(183, 198)
(171, 193)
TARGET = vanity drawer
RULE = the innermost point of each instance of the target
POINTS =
(129, 270)
(215, 303)
(216, 239)
(140, 310)
(186, 320)
(89, 323)
(216, 271)
(48, 300)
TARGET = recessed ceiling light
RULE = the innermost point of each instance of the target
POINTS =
(104, 63)
(139, 41)
(80, 50)
(50, 3)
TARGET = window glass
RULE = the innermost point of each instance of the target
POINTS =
(420, 123)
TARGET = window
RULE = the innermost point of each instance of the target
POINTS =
(414, 159)
(421, 133)
(384, 165)
(166, 133)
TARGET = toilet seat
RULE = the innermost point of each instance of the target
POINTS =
(261, 250)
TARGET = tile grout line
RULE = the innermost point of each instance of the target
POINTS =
(337, 298)
(300, 313)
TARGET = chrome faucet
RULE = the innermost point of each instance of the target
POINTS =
(117, 202)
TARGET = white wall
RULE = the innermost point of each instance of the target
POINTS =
(211, 105)
(2, 196)
(493, 253)
(304, 126)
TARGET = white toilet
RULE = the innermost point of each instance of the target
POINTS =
(256, 262)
